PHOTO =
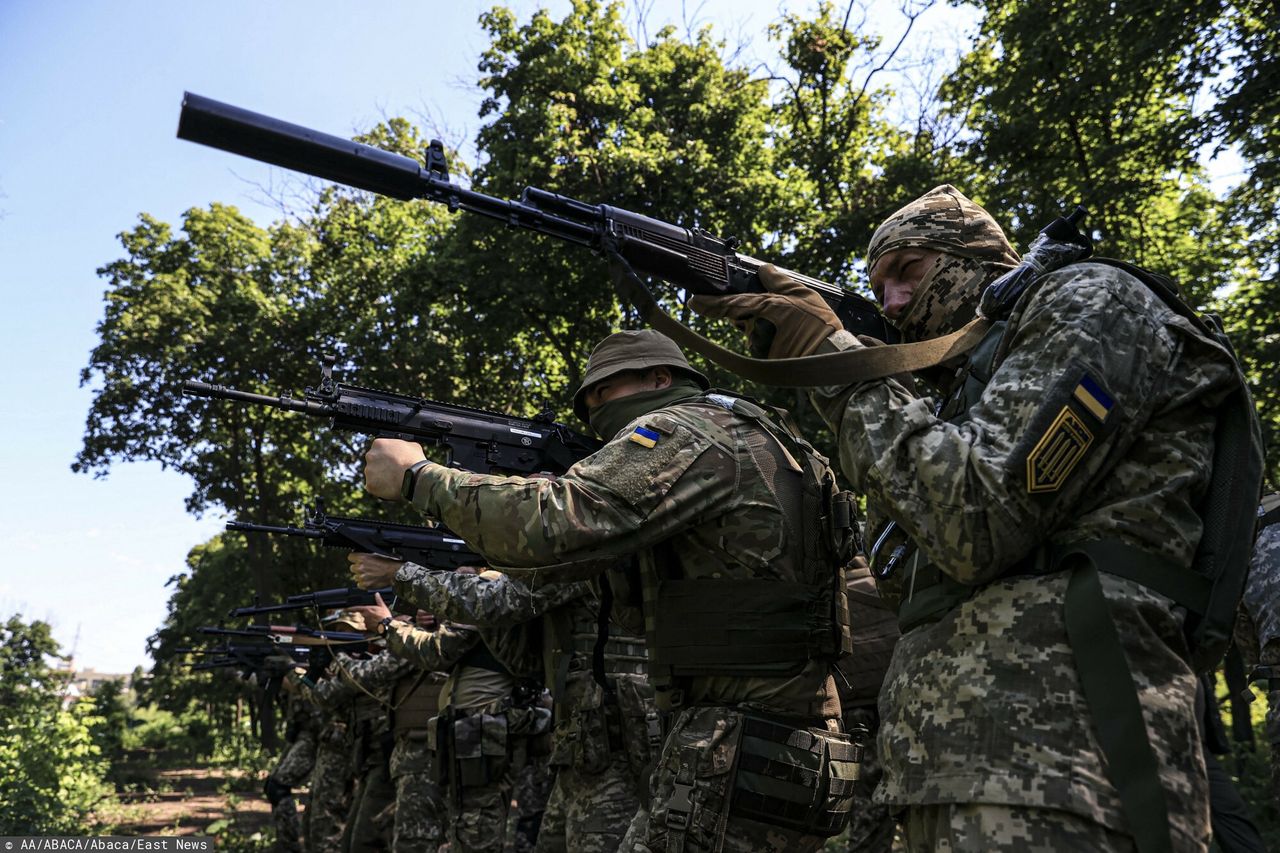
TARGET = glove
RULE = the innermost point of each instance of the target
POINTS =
(787, 321)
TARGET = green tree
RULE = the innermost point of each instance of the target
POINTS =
(51, 771)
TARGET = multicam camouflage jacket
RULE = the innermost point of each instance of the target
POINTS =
(983, 705)
(690, 480)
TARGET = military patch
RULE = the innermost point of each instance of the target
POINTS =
(1096, 401)
(1057, 452)
(644, 437)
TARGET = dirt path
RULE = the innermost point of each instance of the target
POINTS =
(187, 801)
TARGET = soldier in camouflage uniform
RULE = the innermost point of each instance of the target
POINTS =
(478, 740)
(333, 776)
(1087, 420)
(293, 769)
(1262, 602)
(602, 739)
(740, 535)
(368, 684)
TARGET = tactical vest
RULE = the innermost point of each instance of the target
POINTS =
(745, 627)
(875, 633)
(572, 639)
(415, 700)
(1210, 590)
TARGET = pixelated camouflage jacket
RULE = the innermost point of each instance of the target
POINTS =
(1262, 590)
(983, 705)
(549, 610)
(698, 491)
(360, 681)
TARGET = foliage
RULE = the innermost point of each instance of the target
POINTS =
(51, 771)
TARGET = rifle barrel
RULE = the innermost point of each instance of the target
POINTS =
(196, 388)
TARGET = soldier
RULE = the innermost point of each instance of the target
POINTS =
(1262, 602)
(471, 740)
(368, 684)
(1070, 452)
(741, 536)
(606, 724)
(295, 765)
(333, 776)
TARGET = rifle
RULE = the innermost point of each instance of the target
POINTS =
(432, 547)
(474, 439)
(689, 258)
(325, 599)
(288, 634)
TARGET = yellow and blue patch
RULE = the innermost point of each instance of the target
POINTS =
(644, 437)
(1095, 401)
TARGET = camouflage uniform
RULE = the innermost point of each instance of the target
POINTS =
(693, 494)
(471, 739)
(333, 776)
(293, 771)
(368, 684)
(600, 751)
(1262, 601)
(419, 810)
(983, 705)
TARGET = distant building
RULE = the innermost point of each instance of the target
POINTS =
(83, 682)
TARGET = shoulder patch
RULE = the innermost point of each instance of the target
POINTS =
(1075, 416)
(644, 437)
(1057, 452)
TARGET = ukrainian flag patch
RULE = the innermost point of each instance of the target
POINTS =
(644, 437)
(1096, 401)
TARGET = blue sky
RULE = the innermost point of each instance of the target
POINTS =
(89, 97)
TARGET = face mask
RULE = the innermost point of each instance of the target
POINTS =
(609, 418)
(945, 299)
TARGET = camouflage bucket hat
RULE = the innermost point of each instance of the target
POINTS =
(343, 620)
(632, 350)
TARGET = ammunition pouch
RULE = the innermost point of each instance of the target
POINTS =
(800, 779)
(477, 748)
(414, 701)
(722, 763)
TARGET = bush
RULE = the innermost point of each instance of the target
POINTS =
(51, 770)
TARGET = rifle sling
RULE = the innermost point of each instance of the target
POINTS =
(846, 367)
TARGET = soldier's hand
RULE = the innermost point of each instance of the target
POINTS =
(385, 464)
(373, 613)
(371, 571)
(789, 320)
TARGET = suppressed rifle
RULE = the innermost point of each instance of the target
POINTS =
(432, 547)
(474, 439)
(288, 634)
(325, 599)
(690, 258)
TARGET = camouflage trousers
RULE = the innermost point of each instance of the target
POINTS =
(871, 825)
(419, 809)
(533, 784)
(331, 781)
(478, 817)
(293, 770)
(370, 821)
(982, 828)
(701, 752)
(590, 812)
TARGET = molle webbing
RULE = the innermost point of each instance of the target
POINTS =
(739, 626)
(481, 657)
(415, 700)
(797, 778)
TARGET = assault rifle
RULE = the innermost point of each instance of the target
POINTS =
(474, 439)
(689, 258)
(432, 547)
(325, 599)
(288, 634)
